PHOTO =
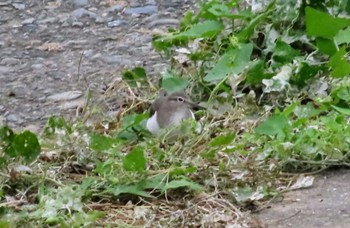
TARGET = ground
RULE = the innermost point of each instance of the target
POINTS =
(52, 51)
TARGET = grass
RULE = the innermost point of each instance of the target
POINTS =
(277, 95)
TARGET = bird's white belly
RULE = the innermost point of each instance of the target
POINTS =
(152, 124)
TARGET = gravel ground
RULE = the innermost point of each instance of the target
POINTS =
(41, 43)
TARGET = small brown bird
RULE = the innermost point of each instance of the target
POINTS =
(169, 110)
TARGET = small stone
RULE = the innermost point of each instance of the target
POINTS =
(73, 104)
(116, 23)
(65, 96)
(9, 61)
(81, 12)
(149, 9)
(30, 28)
(12, 118)
(19, 6)
(78, 24)
(117, 59)
(116, 8)
(2, 108)
(80, 3)
(5, 69)
(28, 21)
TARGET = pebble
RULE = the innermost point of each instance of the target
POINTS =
(117, 59)
(12, 118)
(80, 3)
(116, 8)
(19, 6)
(72, 104)
(9, 61)
(2, 108)
(116, 23)
(78, 24)
(5, 69)
(149, 9)
(78, 13)
(65, 96)
(28, 21)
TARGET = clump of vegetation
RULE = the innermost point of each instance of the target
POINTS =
(274, 79)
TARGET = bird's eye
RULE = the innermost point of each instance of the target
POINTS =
(180, 99)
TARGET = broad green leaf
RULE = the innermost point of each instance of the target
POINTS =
(345, 111)
(155, 182)
(102, 142)
(340, 66)
(135, 189)
(326, 46)
(283, 53)
(222, 140)
(232, 62)
(305, 73)
(26, 144)
(173, 84)
(132, 127)
(248, 30)
(221, 10)
(6, 135)
(182, 183)
(274, 125)
(343, 93)
(135, 76)
(343, 36)
(203, 29)
(322, 24)
(135, 160)
(256, 73)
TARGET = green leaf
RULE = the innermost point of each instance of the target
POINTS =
(204, 29)
(222, 140)
(256, 73)
(27, 145)
(135, 189)
(173, 84)
(305, 73)
(327, 46)
(183, 170)
(135, 76)
(344, 111)
(343, 36)
(5, 223)
(102, 142)
(248, 30)
(182, 183)
(6, 135)
(135, 160)
(274, 125)
(232, 62)
(339, 64)
(283, 53)
(55, 123)
(322, 24)
(343, 93)
(221, 10)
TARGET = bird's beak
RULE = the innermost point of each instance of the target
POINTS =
(194, 105)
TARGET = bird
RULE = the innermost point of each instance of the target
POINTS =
(170, 110)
